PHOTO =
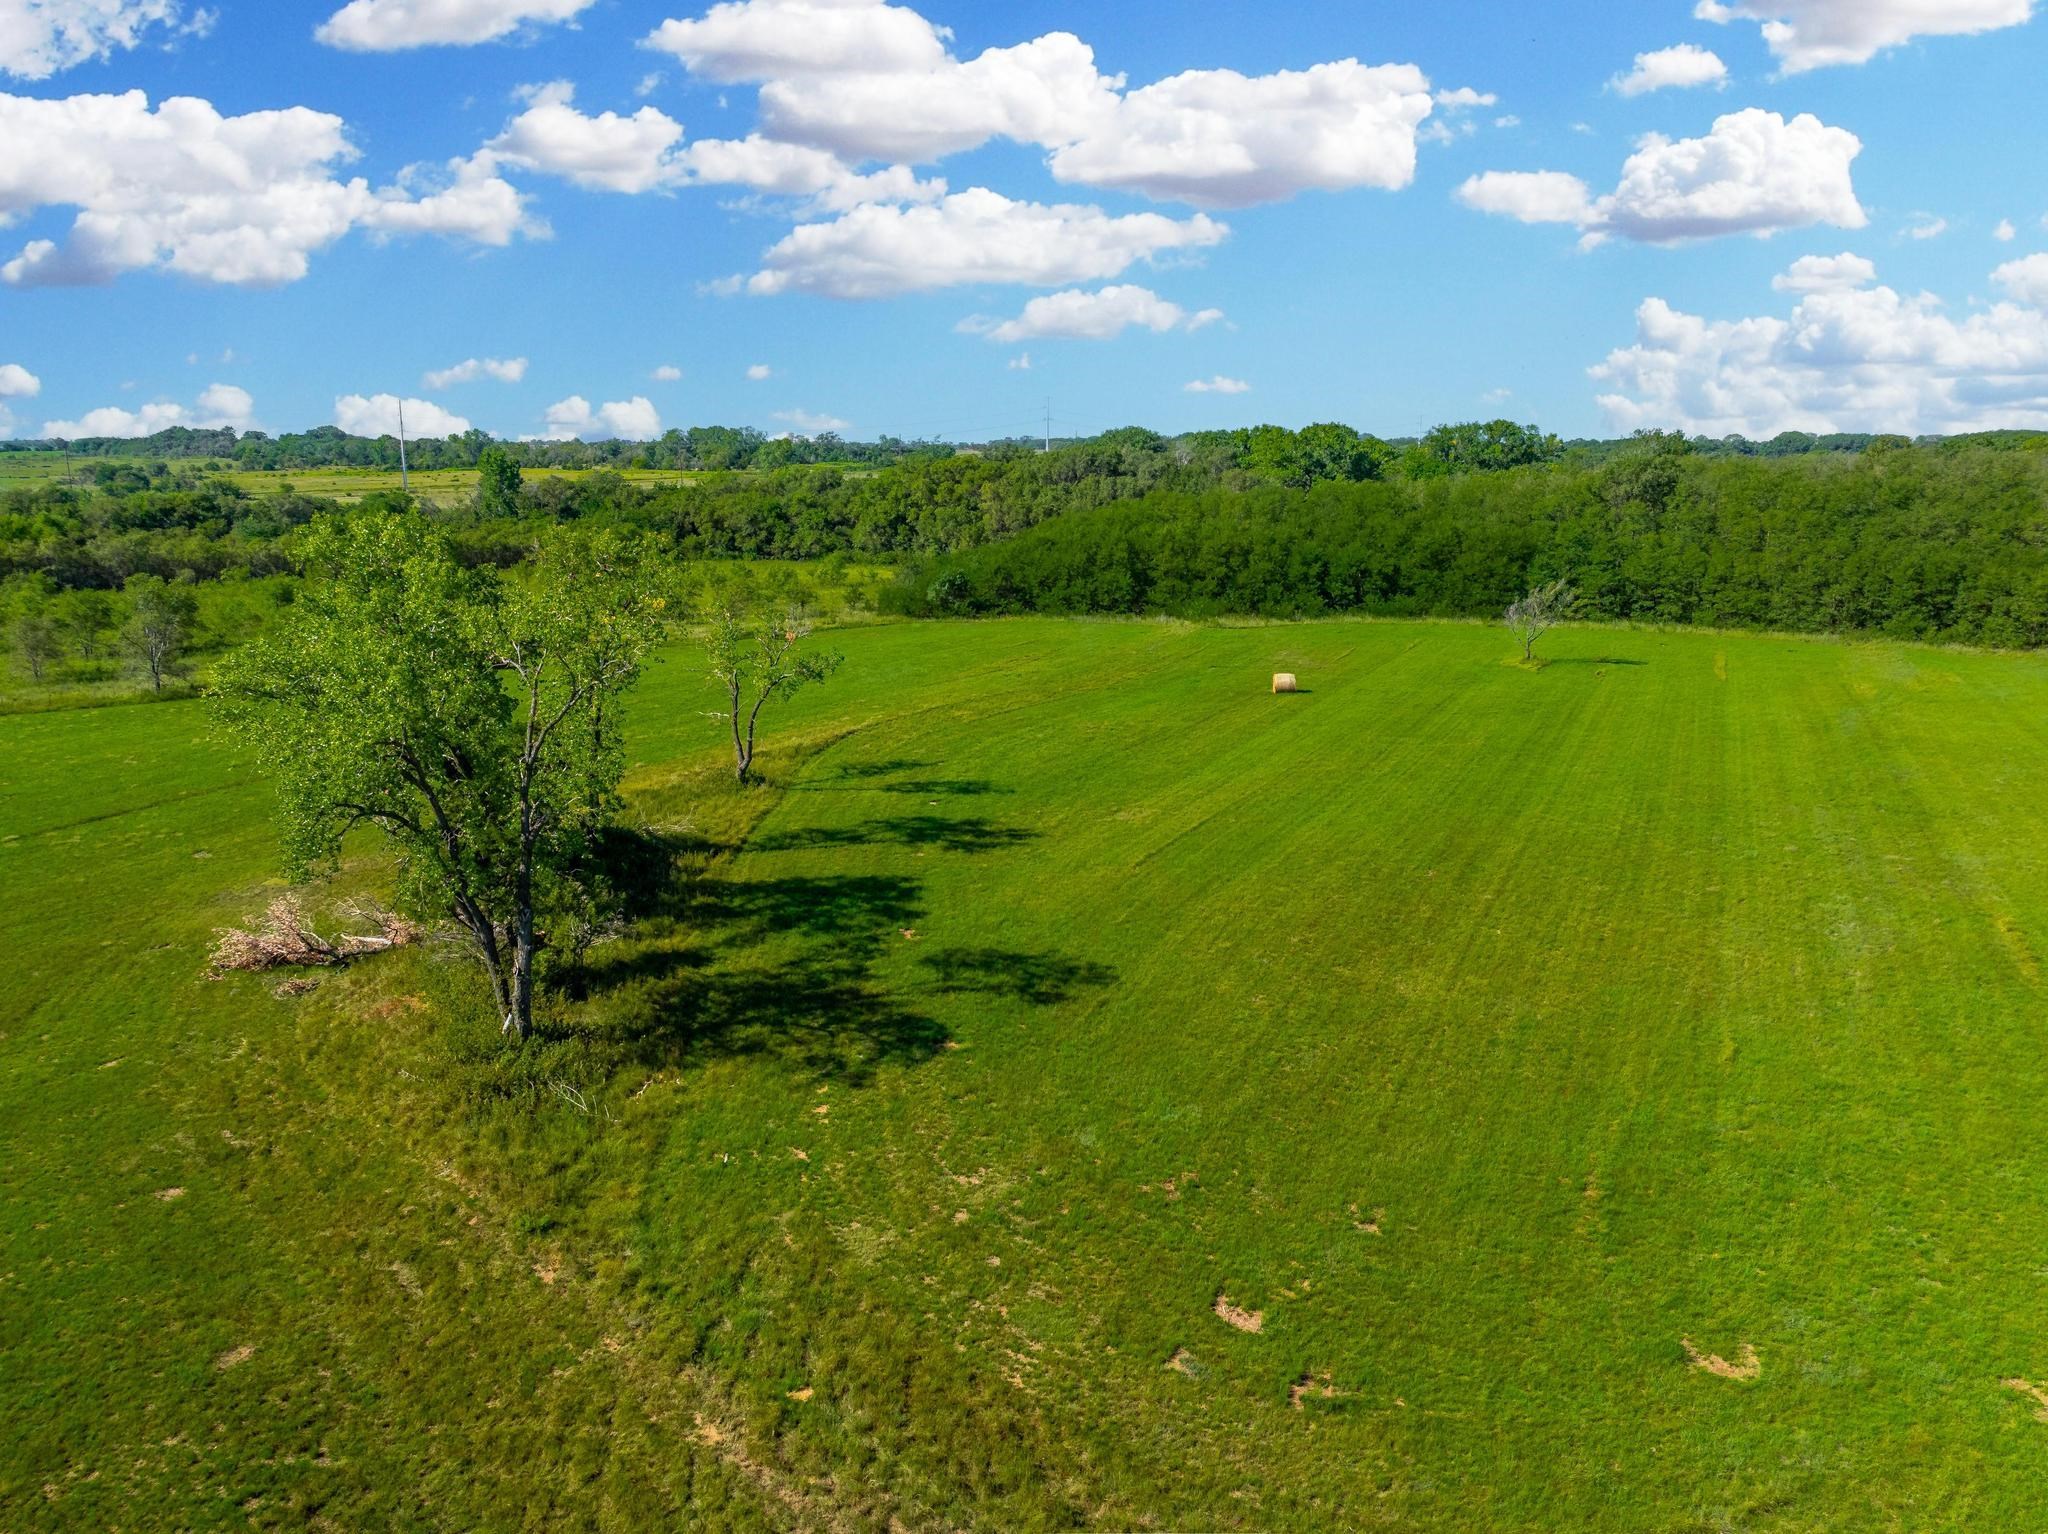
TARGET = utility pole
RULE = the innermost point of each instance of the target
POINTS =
(404, 473)
(1048, 425)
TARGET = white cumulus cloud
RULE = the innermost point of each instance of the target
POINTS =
(606, 152)
(1219, 139)
(503, 369)
(377, 416)
(382, 26)
(1826, 274)
(1531, 196)
(647, 152)
(1680, 68)
(760, 372)
(972, 236)
(784, 39)
(1217, 385)
(866, 80)
(17, 382)
(1078, 315)
(668, 372)
(2025, 280)
(628, 420)
(1755, 173)
(218, 406)
(243, 200)
(2005, 233)
(1846, 359)
(38, 38)
(804, 423)
(1811, 34)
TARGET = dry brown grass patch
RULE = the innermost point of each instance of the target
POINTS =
(1747, 1365)
(1235, 1315)
(2032, 1392)
(1312, 1384)
(233, 1356)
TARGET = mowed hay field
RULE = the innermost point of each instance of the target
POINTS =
(1611, 1090)
(439, 486)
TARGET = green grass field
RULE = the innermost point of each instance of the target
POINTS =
(440, 486)
(1493, 1034)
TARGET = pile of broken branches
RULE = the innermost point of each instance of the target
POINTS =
(286, 939)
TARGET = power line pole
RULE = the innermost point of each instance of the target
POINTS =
(1048, 425)
(404, 473)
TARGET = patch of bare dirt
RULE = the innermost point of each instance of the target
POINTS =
(1234, 1315)
(1747, 1365)
(298, 985)
(1182, 1362)
(2032, 1392)
(1312, 1384)
(233, 1356)
(168, 1194)
(802, 1394)
(1371, 1227)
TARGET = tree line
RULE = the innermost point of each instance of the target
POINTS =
(1931, 540)
(1935, 543)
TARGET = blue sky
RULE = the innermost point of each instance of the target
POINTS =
(226, 271)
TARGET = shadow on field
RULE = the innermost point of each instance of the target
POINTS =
(974, 833)
(773, 967)
(1593, 660)
(713, 967)
(1041, 979)
(864, 777)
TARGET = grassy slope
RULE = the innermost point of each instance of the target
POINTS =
(1686, 988)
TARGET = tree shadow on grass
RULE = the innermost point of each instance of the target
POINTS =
(971, 834)
(713, 967)
(1042, 979)
(782, 968)
(1593, 660)
(943, 788)
(863, 772)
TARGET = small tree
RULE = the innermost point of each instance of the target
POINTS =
(87, 620)
(498, 483)
(35, 641)
(757, 658)
(1542, 610)
(159, 624)
(473, 719)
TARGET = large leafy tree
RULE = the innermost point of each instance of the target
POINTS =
(472, 718)
(498, 483)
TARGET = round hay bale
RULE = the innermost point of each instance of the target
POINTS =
(1284, 681)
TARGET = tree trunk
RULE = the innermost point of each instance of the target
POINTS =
(519, 1016)
(742, 747)
(519, 1011)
